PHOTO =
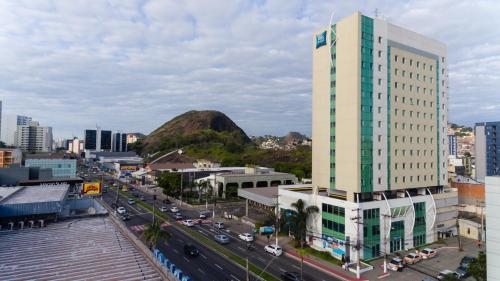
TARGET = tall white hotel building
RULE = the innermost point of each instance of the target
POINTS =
(380, 145)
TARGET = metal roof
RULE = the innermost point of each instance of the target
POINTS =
(37, 194)
(86, 249)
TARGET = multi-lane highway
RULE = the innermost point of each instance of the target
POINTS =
(210, 265)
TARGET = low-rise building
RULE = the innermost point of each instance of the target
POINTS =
(10, 156)
(61, 168)
(228, 184)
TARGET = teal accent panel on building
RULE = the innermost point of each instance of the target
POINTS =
(366, 104)
(419, 234)
(371, 233)
(388, 118)
(333, 80)
(333, 221)
(438, 151)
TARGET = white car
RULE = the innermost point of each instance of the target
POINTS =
(188, 222)
(174, 209)
(274, 250)
(246, 237)
(121, 210)
(428, 253)
(443, 274)
(163, 209)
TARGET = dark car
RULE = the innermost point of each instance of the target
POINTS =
(290, 276)
(191, 250)
(466, 261)
(462, 272)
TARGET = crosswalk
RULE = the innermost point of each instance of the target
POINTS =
(140, 228)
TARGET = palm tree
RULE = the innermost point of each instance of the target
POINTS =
(154, 233)
(298, 220)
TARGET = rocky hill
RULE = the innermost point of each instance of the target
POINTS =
(293, 138)
(194, 127)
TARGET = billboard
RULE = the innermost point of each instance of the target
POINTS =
(321, 39)
(128, 168)
(91, 188)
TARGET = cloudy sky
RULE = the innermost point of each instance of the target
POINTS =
(132, 65)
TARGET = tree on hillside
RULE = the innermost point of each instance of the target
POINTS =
(154, 233)
(298, 220)
(477, 268)
(170, 183)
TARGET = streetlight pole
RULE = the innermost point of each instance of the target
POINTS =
(277, 218)
(180, 197)
(216, 189)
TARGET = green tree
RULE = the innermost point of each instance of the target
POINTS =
(477, 268)
(170, 183)
(298, 220)
(153, 234)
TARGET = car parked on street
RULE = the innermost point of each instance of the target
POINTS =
(163, 209)
(443, 274)
(188, 222)
(290, 276)
(121, 210)
(174, 209)
(178, 216)
(131, 201)
(466, 261)
(412, 258)
(462, 272)
(142, 198)
(191, 250)
(428, 253)
(125, 217)
(396, 264)
(246, 237)
(221, 238)
(274, 250)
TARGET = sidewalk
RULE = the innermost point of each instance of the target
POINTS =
(318, 263)
(289, 251)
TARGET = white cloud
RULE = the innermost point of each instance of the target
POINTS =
(132, 65)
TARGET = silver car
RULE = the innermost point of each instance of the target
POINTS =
(221, 238)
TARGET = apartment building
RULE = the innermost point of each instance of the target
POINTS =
(33, 137)
(9, 156)
(487, 150)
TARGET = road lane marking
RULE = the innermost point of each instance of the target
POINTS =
(218, 266)
(186, 259)
(296, 266)
(241, 248)
(203, 256)
(281, 269)
(261, 259)
(202, 232)
(180, 240)
(175, 251)
(234, 277)
(199, 269)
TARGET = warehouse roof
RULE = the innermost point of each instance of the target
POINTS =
(36, 194)
(86, 249)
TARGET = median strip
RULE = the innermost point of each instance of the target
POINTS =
(210, 243)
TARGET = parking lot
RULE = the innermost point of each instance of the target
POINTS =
(448, 257)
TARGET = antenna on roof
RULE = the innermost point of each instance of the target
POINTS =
(376, 12)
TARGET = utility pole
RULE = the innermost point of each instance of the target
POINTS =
(216, 189)
(458, 229)
(357, 220)
(181, 190)
(482, 223)
(277, 219)
(385, 242)
(154, 200)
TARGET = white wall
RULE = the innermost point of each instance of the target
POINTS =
(493, 227)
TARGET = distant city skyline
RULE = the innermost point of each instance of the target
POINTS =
(134, 65)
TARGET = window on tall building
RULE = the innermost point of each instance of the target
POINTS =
(380, 39)
(411, 75)
(379, 180)
(418, 64)
(404, 59)
(396, 58)
(424, 68)
(411, 62)
(380, 81)
(379, 66)
(379, 95)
